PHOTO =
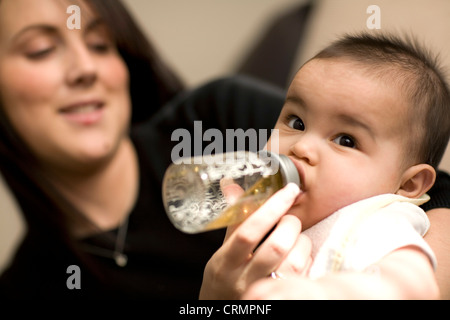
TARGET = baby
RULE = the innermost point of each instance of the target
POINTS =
(366, 122)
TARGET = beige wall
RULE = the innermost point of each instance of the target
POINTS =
(203, 39)
(11, 225)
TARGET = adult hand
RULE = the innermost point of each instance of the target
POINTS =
(243, 259)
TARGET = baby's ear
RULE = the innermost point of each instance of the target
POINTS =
(417, 180)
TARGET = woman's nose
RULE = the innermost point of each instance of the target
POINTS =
(306, 149)
(81, 67)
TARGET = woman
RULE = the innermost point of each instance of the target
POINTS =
(68, 157)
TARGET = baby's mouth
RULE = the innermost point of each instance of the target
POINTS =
(301, 173)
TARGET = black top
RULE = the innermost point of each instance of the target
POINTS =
(439, 193)
(163, 263)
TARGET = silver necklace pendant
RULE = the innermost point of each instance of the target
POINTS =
(121, 259)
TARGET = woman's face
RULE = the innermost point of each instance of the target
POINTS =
(64, 90)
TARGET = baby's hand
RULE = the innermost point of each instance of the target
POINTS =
(231, 190)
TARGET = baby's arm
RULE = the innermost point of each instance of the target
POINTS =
(406, 273)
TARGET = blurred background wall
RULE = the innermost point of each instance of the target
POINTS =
(205, 39)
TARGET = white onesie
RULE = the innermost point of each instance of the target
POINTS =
(357, 236)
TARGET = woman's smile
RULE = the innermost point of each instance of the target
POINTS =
(85, 113)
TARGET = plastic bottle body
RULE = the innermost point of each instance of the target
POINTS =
(207, 193)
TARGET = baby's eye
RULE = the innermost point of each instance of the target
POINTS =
(345, 141)
(296, 123)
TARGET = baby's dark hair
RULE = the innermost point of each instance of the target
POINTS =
(420, 79)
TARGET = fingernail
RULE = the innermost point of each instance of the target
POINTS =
(293, 188)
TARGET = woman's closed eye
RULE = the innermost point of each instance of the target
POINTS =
(41, 53)
(100, 47)
(99, 42)
(40, 46)
(99, 39)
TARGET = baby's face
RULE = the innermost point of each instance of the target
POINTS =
(345, 132)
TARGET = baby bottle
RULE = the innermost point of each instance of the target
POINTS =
(211, 192)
